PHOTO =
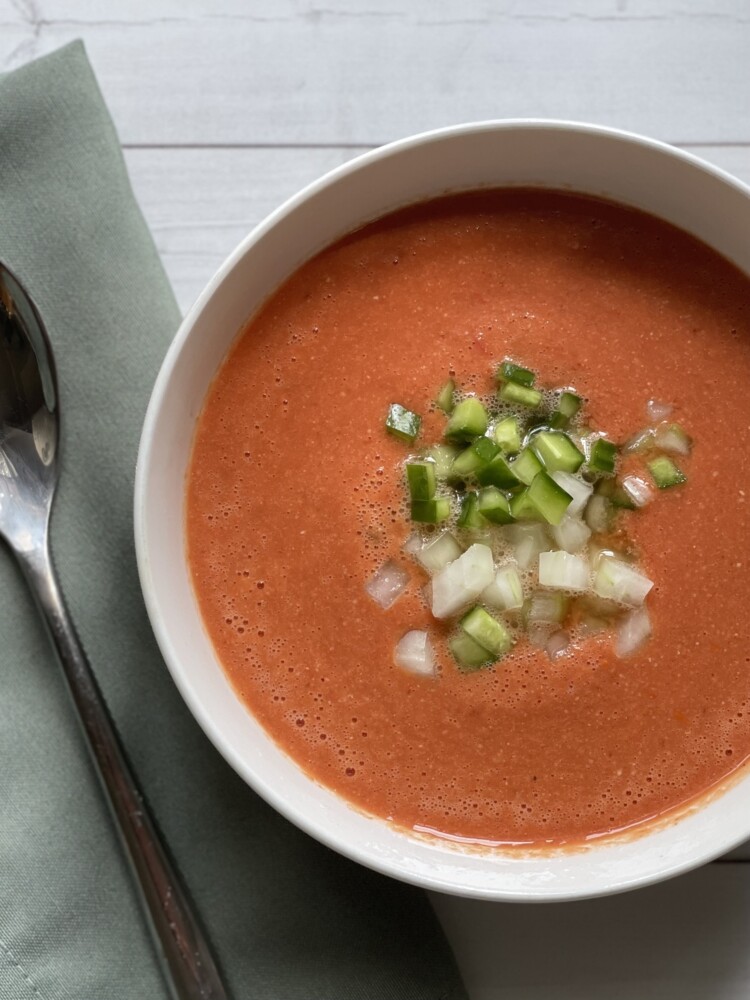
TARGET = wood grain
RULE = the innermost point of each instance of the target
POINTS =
(201, 202)
(344, 72)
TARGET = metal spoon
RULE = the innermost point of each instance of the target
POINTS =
(29, 435)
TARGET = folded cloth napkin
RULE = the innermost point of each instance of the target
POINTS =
(287, 917)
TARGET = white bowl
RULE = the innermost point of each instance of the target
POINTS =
(626, 168)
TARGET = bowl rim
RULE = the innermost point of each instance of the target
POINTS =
(203, 717)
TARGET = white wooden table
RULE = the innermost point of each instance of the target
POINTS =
(225, 108)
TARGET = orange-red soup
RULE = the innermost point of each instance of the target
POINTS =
(295, 497)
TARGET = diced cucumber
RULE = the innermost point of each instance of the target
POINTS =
(509, 371)
(443, 456)
(557, 452)
(506, 590)
(430, 511)
(613, 491)
(469, 655)
(567, 406)
(468, 420)
(402, 423)
(548, 498)
(497, 473)
(421, 479)
(526, 466)
(665, 473)
(445, 396)
(579, 490)
(470, 516)
(620, 498)
(522, 508)
(602, 456)
(475, 457)
(512, 392)
(507, 436)
(494, 506)
(487, 631)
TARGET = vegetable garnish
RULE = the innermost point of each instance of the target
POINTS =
(402, 423)
(517, 515)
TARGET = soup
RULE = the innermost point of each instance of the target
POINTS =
(296, 500)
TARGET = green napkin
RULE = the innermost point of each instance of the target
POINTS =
(287, 917)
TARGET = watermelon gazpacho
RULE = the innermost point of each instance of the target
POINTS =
(466, 518)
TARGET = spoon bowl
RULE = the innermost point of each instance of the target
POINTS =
(29, 426)
(29, 469)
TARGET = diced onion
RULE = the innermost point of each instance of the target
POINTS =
(563, 571)
(641, 441)
(387, 585)
(597, 513)
(571, 534)
(597, 607)
(413, 544)
(538, 635)
(414, 653)
(591, 625)
(634, 629)
(576, 488)
(618, 581)
(546, 608)
(505, 591)
(527, 540)
(438, 552)
(658, 411)
(557, 644)
(638, 490)
(462, 581)
(671, 438)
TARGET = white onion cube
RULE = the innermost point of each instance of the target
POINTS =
(619, 581)
(557, 644)
(576, 488)
(634, 629)
(546, 608)
(506, 590)
(639, 491)
(657, 410)
(413, 544)
(527, 540)
(462, 581)
(668, 437)
(438, 552)
(571, 534)
(597, 513)
(414, 653)
(387, 585)
(563, 571)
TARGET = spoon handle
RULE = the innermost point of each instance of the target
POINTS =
(188, 965)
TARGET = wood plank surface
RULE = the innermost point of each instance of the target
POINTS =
(201, 202)
(343, 72)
